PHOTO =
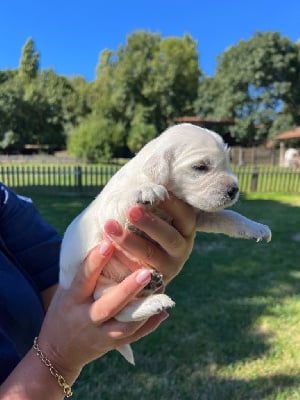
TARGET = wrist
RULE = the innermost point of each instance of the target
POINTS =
(61, 369)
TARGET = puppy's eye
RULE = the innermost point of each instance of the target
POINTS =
(200, 167)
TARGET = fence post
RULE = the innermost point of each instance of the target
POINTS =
(78, 178)
(241, 157)
(254, 179)
(253, 155)
(281, 154)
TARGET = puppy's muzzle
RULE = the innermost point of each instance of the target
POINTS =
(232, 191)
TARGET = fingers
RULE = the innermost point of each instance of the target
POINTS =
(144, 251)
(85, 279)
(112, 301)
(132, 331)
(158, 229)
(151, 324)
(183, 215)
(175, 240)
(183, 220)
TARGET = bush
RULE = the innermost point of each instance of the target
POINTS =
(96, 139)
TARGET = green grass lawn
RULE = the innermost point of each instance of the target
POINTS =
(235, 331)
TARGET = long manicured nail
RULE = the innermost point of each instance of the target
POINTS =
(105, 248)
(143, 276)
(135, 214)
(113, 228)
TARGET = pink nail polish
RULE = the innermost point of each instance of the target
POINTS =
(113, 228)
(136, 213)
(143, 276)
(164, 315)
(105, 248)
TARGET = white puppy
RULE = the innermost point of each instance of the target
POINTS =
(189, 161)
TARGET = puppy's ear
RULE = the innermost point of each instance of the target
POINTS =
(157, 166)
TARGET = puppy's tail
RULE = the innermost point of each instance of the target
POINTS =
(127, 353)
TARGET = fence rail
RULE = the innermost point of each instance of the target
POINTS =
(93, 177)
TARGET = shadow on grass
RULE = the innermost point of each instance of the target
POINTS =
(146, 385)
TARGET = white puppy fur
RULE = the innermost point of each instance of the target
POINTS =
(189, 161)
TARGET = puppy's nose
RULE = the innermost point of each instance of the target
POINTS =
(232, 191)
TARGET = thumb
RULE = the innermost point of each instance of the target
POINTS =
(85, 280)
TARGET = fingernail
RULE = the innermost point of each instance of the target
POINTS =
(164, 315)
(143, 276)
(113, 228)
(105, 248)
(135, 214)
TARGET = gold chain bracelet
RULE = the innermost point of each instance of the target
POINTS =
(60, 379)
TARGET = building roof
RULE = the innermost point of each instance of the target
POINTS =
(292, 134)
(195, 120)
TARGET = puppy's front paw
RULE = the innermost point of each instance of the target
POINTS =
(264, 233)
(150, 193)
(144, 308)
(257, 231)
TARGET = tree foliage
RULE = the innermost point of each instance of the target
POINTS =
(142, 86)
(29, 62)
(144, 83)
(14, 121)
(37, 107)
(256, 84)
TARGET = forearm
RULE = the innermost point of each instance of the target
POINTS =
(47, 295)
(32, 380)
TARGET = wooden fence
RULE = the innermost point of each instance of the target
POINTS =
(62, 178)
(265, 179)
(91, 178)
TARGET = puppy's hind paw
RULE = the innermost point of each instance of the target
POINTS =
(155, 283)
(144, 308)
(150, 193)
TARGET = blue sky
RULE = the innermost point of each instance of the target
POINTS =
(71, 34)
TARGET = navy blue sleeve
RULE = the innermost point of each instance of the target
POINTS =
(29, 239)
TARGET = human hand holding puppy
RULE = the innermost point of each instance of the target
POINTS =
(174, 245)
(89, 324)
(192, 163)
(78, 329)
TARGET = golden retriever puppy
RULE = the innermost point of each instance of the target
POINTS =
(193, 164)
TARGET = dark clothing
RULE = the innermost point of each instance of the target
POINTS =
(29, 263)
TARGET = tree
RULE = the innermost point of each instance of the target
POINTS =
(29, 62)
(14, 112)
(81, 97)
(6, 75)
(146, 74)
(140, 132)
(175, 78)
(60, 106)
(256, 82)
(40, 112)
(121, 77)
